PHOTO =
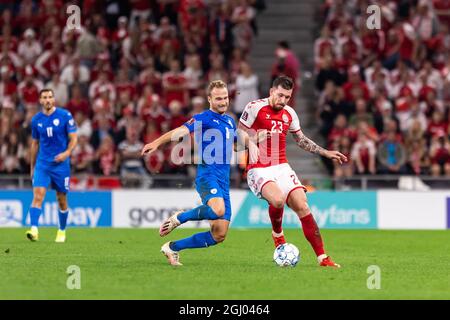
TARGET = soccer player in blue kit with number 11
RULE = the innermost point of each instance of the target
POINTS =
(54, 137)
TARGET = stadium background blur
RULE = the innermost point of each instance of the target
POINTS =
(137, 70)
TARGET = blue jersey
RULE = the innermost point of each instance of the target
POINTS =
(53, 134)
(214, 134)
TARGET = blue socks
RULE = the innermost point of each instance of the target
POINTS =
(63, 219)
(203, 212)
(35, 213)
(198, 240)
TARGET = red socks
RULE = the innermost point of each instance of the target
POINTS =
(312, 233)
(276, 216)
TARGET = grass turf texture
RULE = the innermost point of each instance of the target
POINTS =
(127, 264)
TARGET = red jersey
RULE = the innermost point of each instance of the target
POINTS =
(259, 115)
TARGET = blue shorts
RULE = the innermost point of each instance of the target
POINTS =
(58, 175)
(210, 187)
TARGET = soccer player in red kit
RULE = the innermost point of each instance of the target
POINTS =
(269, 175)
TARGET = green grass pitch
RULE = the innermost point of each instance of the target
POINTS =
(127, 264)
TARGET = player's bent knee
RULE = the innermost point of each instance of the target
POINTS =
(302, 209)
(277, 203)
(219, 210)
(219, 237)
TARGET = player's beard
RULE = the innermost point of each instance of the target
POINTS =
(278, 107)
(48, 107)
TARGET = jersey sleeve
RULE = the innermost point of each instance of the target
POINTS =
(34, 130)
(248, 117)
(295, 124)
(198, 118)
(71, 126)
(235, 138)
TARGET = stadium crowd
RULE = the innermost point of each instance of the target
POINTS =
(385, 93)
(131, 72)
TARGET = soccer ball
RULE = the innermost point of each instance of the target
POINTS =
(286, 255)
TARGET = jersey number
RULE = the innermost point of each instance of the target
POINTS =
(277, 126)
(50, 132)
(227, 132)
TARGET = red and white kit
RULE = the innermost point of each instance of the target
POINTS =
(272, 163)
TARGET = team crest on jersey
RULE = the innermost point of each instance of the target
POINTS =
(285, 118)
(267, 116)
(244, 116)
(56, 122)
(214, 191)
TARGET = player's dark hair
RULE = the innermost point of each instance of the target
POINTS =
(215, 84)
(46, 90)
(284, 44)
(284, 82)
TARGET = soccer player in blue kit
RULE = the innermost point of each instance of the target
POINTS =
(54, 137)
(212, 128)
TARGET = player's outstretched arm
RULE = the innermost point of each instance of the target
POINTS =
(173, 135)
(307, 144)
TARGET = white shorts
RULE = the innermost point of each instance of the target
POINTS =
(281, 174)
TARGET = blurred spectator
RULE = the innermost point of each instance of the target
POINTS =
(8, 87)
(106, 159)
(418, 160)
(363, 154)
(437, 126)
(103, 130)
(175, 85)
(194, 75)
(11, 154)
(242, 17)
(29, 88)
(286, 64)
(177, 118)
(82, 155)
(29, 48)
(361, 114)
(355, 87)
(331, 103)
(391, 155)
(75, 73)
(132, 171)
(440, 156)
(60, 90)
(50, 61)
(246, 88)
(344, 146)
(222, 29)
(84, 124)
(198, 105)
(77, 103)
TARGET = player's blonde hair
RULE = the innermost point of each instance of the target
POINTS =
(215, 84)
